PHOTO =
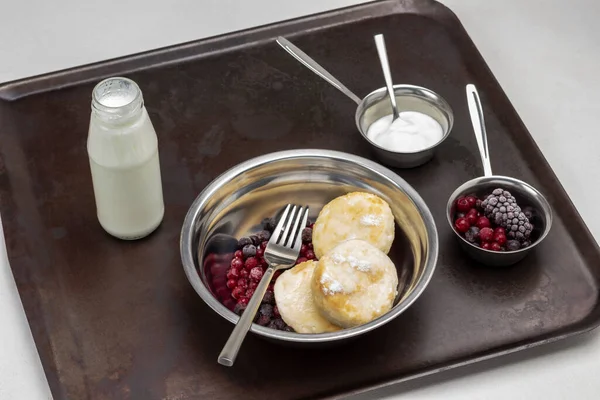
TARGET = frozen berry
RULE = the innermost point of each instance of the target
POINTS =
(486, 246)
(269, 297)
(260, 252)
(255, 240)
(310, 246)
(306, 235)
(238, 254)
(256, 274)
(495, 246)
(249, 250)
(242, 283)
(266, 309)
(498, 230)
(526, 243)
(269, 224)
(250, 263)
(472, 235)
(310, 255)
(276, 312)
(462, 225)
(528, 211)
(244, 242)
(277, 324)
(462, 204)
(263, 320)
(513, 245)
(237, 263)
(238, 292)
(472, 216)
(263, 245)
(263, 236)
(249, 293)
(244, 273)
(233, 273)
(252, 284)
(301, 260)
(486, 234)
(500, 238)
(483, 222)
(231, 283)
(303, 249)
(472, 200)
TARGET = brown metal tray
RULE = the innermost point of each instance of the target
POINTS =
(118, 320)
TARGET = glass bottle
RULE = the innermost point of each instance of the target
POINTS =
(123, 154)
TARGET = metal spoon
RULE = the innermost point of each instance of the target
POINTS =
(315, 67)
(385, 66)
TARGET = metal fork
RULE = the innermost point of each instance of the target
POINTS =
(281, 253)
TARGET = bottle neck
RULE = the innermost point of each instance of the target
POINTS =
(117, 101)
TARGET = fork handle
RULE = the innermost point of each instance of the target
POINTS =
(231, 348)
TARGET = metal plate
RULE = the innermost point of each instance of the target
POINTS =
(116, 319)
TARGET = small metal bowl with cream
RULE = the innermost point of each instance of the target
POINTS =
(425, 121)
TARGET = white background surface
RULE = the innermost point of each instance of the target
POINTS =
(545, 54)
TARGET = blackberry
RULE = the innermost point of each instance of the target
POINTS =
(244, 242)
(263, 236)
(513, 245)
(269, 224)
(266, 310)
(263, 320)
(249, 250)
(306, 235)
(269, 297)
(255, 240)
(502, 208)
(277, 324)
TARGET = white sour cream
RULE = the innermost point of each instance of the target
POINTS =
(411, 132)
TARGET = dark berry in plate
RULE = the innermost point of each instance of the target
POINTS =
(269, 297)
(266, 309)
(472, 235)
(486, 235)
(240, 306)
(244, 242)
(263, 320)
(255, 240)
(462, 225)
(269, 224)
(462, 204)
(513, 245)
(483, 222)
(306, 235)
(249, 250)
(277, 324)
(263, 236)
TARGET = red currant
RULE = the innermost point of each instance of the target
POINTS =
(233, 273)
(251, 262)
(238, 254)
(500, 238)
(498, 230)
(486, 235)
(237, 263)
(471, 216)
(486, 246)
(231, 283)
(483, 222)
(256, 274)
(472, 201)
(237, 292)
(496, 247)
(462, 204)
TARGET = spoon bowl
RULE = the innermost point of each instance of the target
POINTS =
(525, 196)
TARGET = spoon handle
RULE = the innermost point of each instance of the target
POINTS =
(476, 111)
(385, 66)
(315, 67)
(232, 347)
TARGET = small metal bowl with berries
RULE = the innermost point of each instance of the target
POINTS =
(498, 219)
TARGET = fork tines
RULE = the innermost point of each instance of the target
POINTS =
(290, 226)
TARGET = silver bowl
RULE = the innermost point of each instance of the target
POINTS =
(376, 105)
(234, 204)
(525, 194)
